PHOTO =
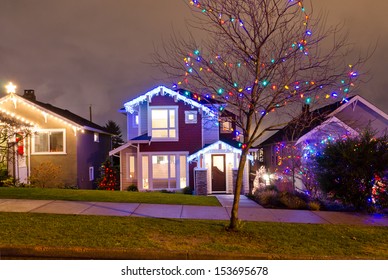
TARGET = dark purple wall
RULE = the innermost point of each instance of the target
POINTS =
(90, 153)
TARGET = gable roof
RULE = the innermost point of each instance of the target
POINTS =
(164, 91)
(333, 121)
(316, 118)
(324, 116)
(218, 146)
(65, 115)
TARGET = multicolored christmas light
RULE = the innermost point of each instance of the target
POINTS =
(196, 62)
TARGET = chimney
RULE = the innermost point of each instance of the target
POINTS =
(29, 94)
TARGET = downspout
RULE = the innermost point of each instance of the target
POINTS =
(28, 158)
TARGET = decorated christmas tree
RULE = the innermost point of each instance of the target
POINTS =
(108, 180)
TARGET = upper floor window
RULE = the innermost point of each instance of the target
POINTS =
(49, 141)
(135, 120)
(96, 137)
(226, 126)
(164, 123)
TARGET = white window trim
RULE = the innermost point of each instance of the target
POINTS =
(177, 170)
(91, 173)
(165, 139)
(49, 153)
(225, 131)
(127, 168)
(193, 121)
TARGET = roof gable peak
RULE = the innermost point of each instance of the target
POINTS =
(164, 91)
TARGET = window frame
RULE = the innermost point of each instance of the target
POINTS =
(224, 130)
(96, 137)
(33, 152)
(187, 117)
(180, 183)
(91, 173)
(168, 128)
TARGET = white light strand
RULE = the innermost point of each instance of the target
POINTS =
(162, 90)
(215, 147)
(44, 113)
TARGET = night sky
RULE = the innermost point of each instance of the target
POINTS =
(80, 52)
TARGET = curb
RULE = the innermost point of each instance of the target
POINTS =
(78, 253)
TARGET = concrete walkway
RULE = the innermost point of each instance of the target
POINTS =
(248, 211)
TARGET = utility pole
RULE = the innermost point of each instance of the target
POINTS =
(90, 113)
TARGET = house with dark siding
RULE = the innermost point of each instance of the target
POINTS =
(175, 141)
(76, 145)
(289, 147)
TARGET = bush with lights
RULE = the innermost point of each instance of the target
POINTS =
(108, 180)
(351, 171)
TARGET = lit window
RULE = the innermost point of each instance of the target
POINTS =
(164, 123)
(49, 141)
(91, 173)
(163, 171)
(131, 175)
(96, 137)
(190, 116)
(226, 127)
(135, 120)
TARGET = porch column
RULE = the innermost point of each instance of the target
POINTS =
(200, 181)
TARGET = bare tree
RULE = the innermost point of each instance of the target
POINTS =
(257, 57)
(12, 135)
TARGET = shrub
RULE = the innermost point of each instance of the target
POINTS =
(8, 182)
(269, 198)
(46, 175)
(132, 188)
(314, 205)
(292, 201)
(71, 187)
(347, 168)
(166, 191)
(187, 190)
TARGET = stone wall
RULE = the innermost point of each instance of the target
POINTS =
(200, 181)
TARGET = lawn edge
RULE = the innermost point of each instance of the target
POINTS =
(79, 253)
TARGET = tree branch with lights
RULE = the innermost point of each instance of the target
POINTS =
(259, 58)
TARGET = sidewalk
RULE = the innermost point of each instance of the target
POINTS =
(248, 211)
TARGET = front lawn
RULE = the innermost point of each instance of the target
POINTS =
(107, 196)
(258, 240)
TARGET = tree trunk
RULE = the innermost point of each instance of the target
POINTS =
(237, 190)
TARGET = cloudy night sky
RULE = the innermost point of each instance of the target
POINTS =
(80, 52)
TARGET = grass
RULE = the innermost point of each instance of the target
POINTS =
(107, 196)
(271, 240)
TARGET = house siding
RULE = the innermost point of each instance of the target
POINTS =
(143, 118)
(124, 178)
(210, 131)
(91, 154)
(359, 116)
(132, 129)
(189, 135)
(67, 162)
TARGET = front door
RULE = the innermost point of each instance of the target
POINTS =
(218, 173)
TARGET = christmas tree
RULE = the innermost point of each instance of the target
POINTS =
(108, 179)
